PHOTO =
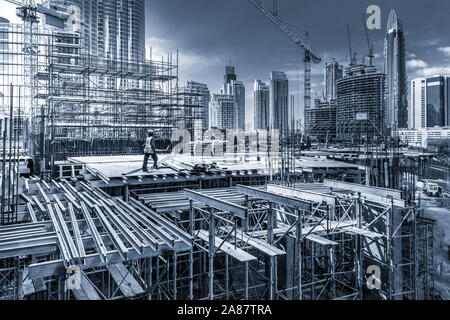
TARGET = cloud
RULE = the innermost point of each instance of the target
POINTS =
(444, 50)
(190, 62)
(416, 64)
(432, 71)
(411, 55)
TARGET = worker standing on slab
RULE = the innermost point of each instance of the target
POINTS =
(150, 150)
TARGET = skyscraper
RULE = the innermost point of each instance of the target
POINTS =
(231, 86)
(113, 29)
(261, 93)
(279, 99)
(239, 97)
(396, 115)
(429, 102)
(227, 78)
(333, 72)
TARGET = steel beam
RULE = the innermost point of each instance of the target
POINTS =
(223, 205)
(302, 194)
(277, 198)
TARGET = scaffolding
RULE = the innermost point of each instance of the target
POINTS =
(88, 105)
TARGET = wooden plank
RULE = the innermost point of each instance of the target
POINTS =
(321, 240)
(365, 233)
(86, 290)
(27, 287)
(39, 284)
(226, 247)
(126, 282)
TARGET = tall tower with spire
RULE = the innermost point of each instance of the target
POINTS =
(396, 113)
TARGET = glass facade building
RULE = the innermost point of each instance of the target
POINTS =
(261, 94)
(395, 70)
(279, 95)
(429, 102)
(333, 72)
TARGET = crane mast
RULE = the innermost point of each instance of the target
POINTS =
(308, 55)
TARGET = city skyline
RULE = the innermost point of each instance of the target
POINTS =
(265, 49)
(258, 48)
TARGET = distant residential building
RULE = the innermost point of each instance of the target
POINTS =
(203, 95)
(333, 72)
(261, 94)
(360, 103)
(224, 112)
(395, 70)
(321, 120)
(197, 103)
(429, 102)
(422, 137)
(279, 101)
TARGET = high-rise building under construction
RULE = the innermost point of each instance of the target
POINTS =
(395, 70)
(113, 29)
(360, 104)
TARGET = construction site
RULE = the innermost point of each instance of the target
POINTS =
(80, 220)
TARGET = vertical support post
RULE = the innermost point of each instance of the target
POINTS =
(158, 291)
(227, 277)
(246, 263)
(358, 255)
(149, 278)
(313, 265)
(191, 251)
(211, 253)
(19, 281)
(271, 240)
(416, 260)
(61, 287)
(299, 252)
(126, 192)
(389, 261)
(174, 275)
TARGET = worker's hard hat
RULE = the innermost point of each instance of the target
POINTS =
(150, 131)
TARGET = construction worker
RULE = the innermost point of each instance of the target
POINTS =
(150, 150)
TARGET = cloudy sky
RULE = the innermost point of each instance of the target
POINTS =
(211, 33)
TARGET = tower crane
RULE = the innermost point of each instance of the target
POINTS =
(309, 56)
(352, 55)
(369, 44)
